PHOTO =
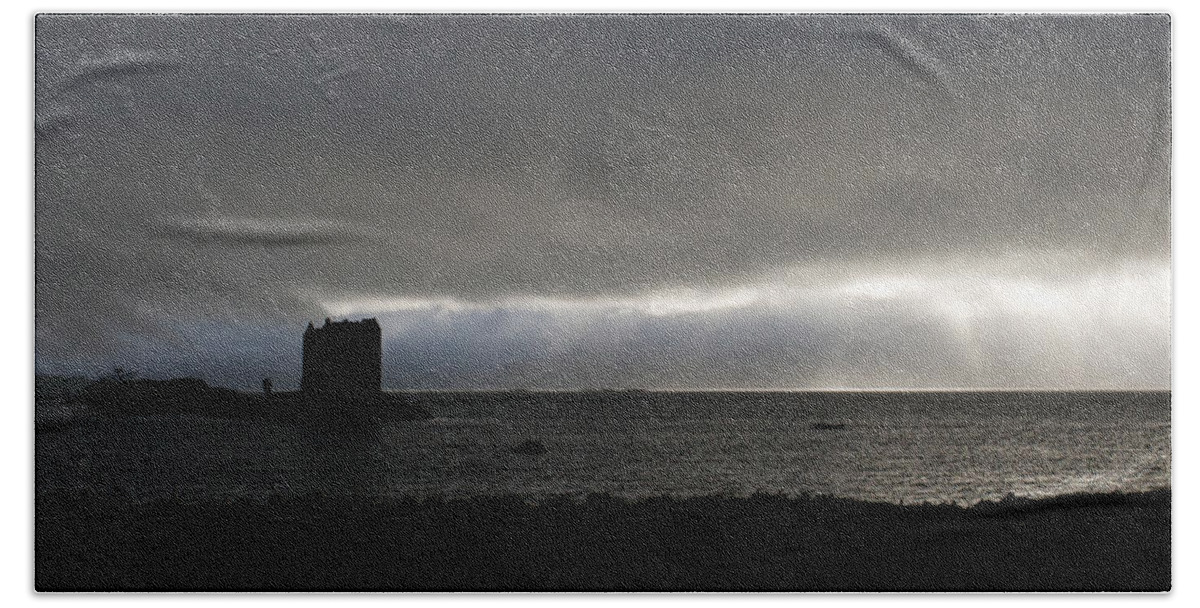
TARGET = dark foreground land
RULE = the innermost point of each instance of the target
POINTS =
(1111, 542)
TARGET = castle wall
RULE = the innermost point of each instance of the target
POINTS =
(343, 357)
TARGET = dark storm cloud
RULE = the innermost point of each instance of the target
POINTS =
(308, 162)
(268, 232)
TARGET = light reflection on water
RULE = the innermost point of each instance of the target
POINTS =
(936, 453)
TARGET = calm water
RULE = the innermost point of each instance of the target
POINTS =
(894, 447)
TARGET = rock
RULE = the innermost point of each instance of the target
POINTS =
(828, 426)
(529, 447)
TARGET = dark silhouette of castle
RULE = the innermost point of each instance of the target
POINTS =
(342, 358)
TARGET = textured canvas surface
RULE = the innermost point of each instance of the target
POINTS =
(603, 302)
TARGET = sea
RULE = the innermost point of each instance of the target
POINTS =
(898, 447)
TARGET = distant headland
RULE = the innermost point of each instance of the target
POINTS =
(341, 379)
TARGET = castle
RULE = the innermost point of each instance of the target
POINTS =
(342, 358)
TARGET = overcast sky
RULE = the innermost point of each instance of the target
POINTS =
(653, 201)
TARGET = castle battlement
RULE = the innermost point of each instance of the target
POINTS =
(342, 358)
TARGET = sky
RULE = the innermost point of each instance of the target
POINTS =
(676, 202)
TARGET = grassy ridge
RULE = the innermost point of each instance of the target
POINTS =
(763, 542)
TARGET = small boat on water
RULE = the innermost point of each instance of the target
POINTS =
(828, 426)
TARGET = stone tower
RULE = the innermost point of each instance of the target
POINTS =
(342, 358)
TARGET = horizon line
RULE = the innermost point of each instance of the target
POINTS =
(581, 389)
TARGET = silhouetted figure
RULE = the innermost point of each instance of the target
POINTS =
(342, 358)
(266, 386)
